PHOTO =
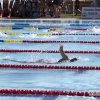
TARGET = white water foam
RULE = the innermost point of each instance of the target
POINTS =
(3, 35)
(5, 58)
(94, 29)
(47, 59)
(80, 58)
(28, 36)
(83, 59)
(32, 36)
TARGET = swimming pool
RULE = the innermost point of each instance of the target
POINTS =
(32, 41)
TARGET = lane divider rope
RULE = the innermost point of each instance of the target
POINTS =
(47, 34)
(11, 28)
(88, 24)
(49, 51)
(77, 28)
(49, 67)
(40, 27)
(72, 34)
(54, 29)
(51, 22)
(60, 41)
(51, 41)
(19, 92)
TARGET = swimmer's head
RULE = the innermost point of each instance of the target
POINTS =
(73, 59)
(52, 29)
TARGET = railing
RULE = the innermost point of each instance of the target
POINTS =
(68, 8)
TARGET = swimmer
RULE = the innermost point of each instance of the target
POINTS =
(22, 61)
(65, 57)
(3, 35)
(94, 29)
(52, 29)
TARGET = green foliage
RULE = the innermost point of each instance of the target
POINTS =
(70, 16)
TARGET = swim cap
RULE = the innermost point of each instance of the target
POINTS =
(73, 59)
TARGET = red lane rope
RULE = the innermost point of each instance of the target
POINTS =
(76, 28)
(72, 34)
(59, 41)
(49, 67)
(48, 92)
(50, 51)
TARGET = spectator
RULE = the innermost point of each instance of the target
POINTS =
(97, 3)
(68, 8)
(60, 7)
(50, 8)
(7, 9)
(0, 11)
(28, 9)
(15, 7)
(41, 4)
(93, 4)
(35, 10)
(20, 11)
(77, 4)
(56, 8)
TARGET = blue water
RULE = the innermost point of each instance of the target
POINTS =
(41, 79)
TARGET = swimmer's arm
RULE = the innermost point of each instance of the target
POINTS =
(15, 60)
(60, 60)
(64, 56)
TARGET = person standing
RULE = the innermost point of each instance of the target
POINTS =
(56, 8)
(49, 8)
(60, 7)
(77, 4)
(7, 7)
(0, 11)
(28, 8)
(41, 5)
(35, 10)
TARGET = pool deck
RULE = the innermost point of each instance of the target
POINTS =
(14, 18)
(47, 20)
(40, 19)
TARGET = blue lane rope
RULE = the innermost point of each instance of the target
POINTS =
(13, 33)
(46, 27)
(38, 24)
(20, 27)
(22, 24)
(48, 34)
(94, 24)
(1, 40)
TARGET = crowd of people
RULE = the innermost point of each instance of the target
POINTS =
(31, 8)
(35, 8)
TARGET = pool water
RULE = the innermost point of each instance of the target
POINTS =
(50, 79)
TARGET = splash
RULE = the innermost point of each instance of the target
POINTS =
(35, 57)
(72, 31)
(28, 36)
(3, 35)
(84, 59)
(94, 29)
(5, 58)
(33, 36)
